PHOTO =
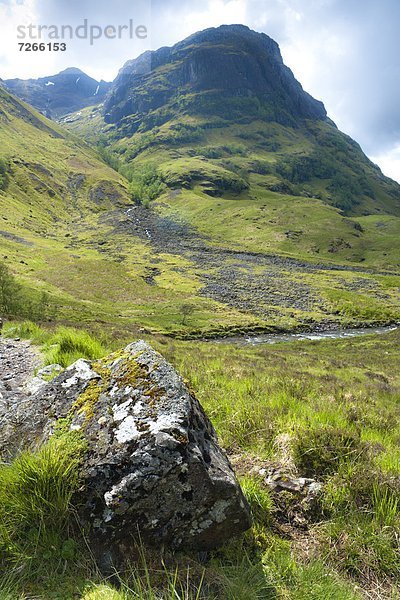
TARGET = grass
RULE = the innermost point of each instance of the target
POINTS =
(327, 410)
(37, 513)
(61, 232)
(61, 345)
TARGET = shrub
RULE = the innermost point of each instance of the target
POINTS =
(262, 167)
(183, 133)
(299, 169)
(319, 452)
(209, 152)
(145, 184)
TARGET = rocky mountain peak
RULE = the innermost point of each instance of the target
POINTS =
(57, 95)
(228, 66)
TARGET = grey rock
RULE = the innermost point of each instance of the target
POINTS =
(50, 370)
(34, 385)
(153, 464)
(280, 481)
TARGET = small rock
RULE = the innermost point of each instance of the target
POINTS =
(34, 385)
(279, 481)
(50, 370)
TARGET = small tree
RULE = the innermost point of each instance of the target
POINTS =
(186, 310)
(145, 184)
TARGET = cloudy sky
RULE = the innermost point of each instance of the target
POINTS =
(344, 52)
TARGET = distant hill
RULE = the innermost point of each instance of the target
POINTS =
(58, 95)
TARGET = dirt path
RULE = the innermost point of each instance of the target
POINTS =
(18, 361)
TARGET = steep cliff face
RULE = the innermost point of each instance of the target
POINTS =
(229, 70)
(58, 95)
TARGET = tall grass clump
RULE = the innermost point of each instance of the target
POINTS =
(68, 345)
(36, 509)
(26, 330)
(63, 345)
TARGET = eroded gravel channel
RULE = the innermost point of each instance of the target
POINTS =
(253, 282)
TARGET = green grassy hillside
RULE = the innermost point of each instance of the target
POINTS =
(283, 215)
(66, 232)
(61, 208)
(306, 191)
(227, 185)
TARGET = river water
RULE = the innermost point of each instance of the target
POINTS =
(275, 338)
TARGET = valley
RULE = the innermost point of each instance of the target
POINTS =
(204, 203)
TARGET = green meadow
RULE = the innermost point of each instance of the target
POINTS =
(328, 410)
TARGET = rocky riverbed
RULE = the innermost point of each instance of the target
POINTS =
(255, 282)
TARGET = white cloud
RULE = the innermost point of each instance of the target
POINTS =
(215, 13)
(389, 162)
(13, 62)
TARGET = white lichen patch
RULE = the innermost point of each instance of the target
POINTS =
(82, 372)
(127, 431)
(121, 411)
(165, 423)
(138, 408)
(217, 512)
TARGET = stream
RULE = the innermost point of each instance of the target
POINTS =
(275, 338)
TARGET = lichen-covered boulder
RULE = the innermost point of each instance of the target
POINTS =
(152, 466)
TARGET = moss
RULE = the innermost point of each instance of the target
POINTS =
(62, 426)
(86, 402)
(130, 372)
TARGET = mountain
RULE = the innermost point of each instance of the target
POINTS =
(230, 71)
(232, 80)
(247, 210)
(58, 95)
